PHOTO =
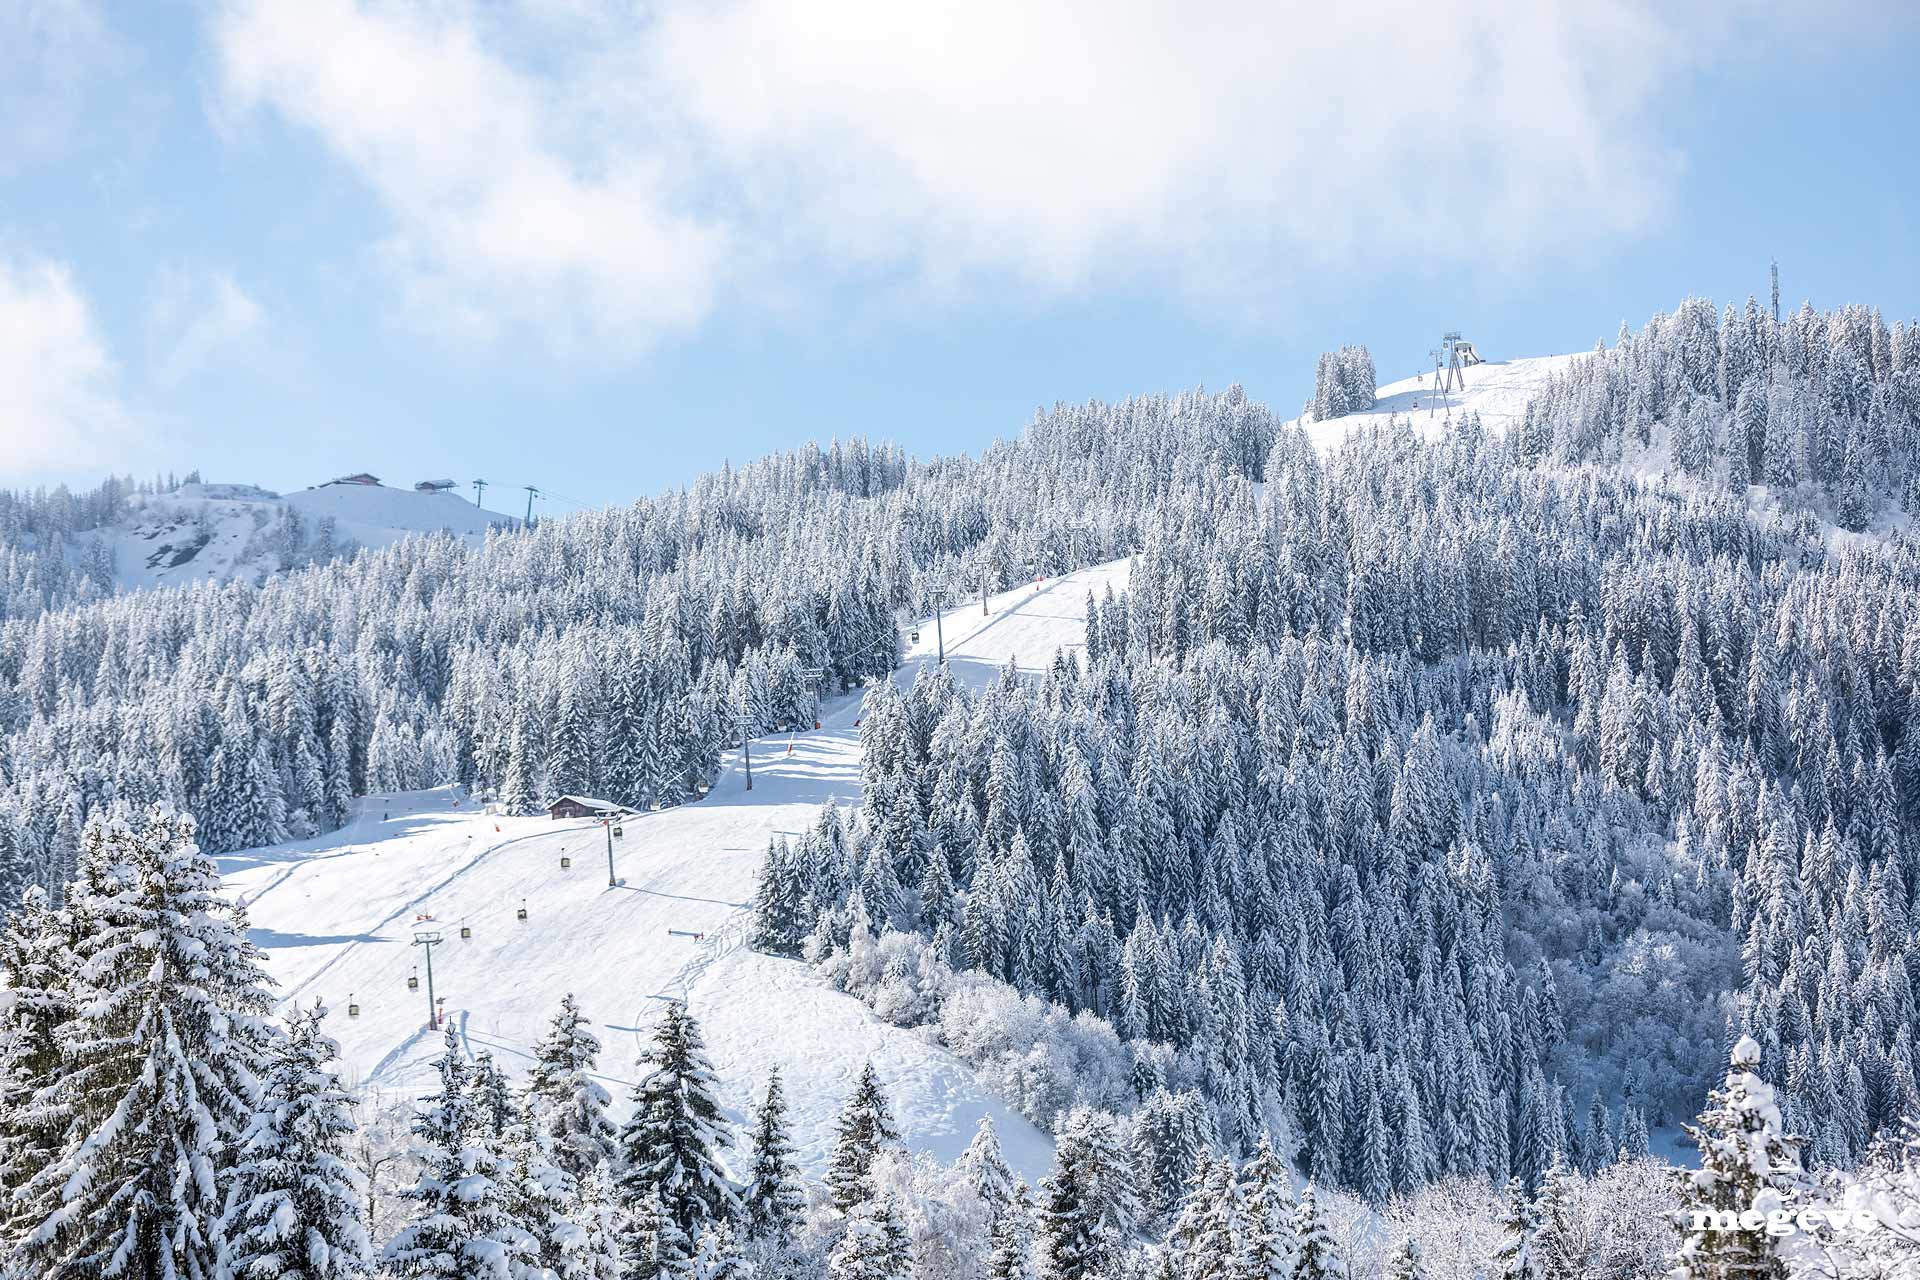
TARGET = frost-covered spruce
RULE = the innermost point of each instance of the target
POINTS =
(774, 1199)
(1746, 1163)
(873, 1246)
(294, 1206)
(1405, 1262)
(671, 1144)
(865, 1126)
(1269, 1216)
(462, 1227)
(987, 1169)
(1316, 1255)
(161, 1063)
(38, 999)
(718, 1256)
(596, 1255)
(570, 1104)
(1519, 1255)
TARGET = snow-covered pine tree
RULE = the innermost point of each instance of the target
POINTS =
(1269, 1211)
(987, 1169)
(293, 1206)
(161, 1063)
(871, 1247)
(774, 1199)
(570, 1105)
(37, 1001)
(718, 1256)
(1068, 1220)
(865, 1127)
(1561, 1236)
(1746, 1163)
(1519, 1255)
(1316, 1255)
(596, 1253)
(780, 922)
(1405, 1262)
(671, 1144)
(462, 1227)
(1009, 1252)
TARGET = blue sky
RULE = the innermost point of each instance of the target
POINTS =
(599, 247)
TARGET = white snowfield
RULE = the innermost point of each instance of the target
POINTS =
(338, 915)
(225, 531)
(1498, 390)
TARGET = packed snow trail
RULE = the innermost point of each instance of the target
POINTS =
(337, 917)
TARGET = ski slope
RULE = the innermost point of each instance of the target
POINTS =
(337, 915)
(1498, 390)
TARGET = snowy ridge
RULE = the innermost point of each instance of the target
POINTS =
(220, 532)
(337, 915)
(1497, 390)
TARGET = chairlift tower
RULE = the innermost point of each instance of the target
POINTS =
(1450, 343)
(941, 598)
(429, 938)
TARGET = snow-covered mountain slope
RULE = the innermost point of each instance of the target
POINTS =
(1498, 390)
(337, 918)
(223, 531)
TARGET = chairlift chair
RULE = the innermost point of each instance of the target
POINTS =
(353, 1010)
(618, 833)
(565, 862)
(413, 982)
(466, 931)
(521, 914)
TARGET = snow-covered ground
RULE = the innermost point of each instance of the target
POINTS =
(225, 531)
(337, 918)
(1498, 390)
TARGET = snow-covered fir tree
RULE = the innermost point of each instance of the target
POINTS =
(1316, 1255)
(1747, 1164)
(568, 1103)
(864, 1127)
(294, 1201)
(671, 1145)
(462, 1224)
(160, 1063)
(773, 1197)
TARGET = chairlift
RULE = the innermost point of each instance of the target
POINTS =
(521, 914)
(353, 1010)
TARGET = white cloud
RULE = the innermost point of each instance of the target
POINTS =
(499, 207)
(193, 318)
(593, 168)
(60, 408)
